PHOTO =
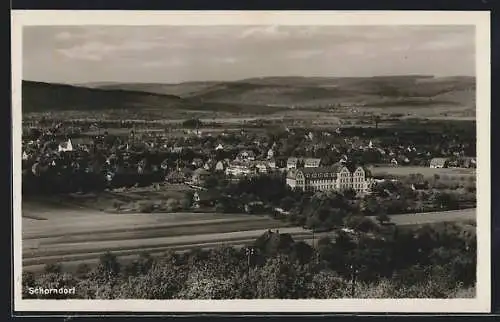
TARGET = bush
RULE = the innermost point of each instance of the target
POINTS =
(146, 207)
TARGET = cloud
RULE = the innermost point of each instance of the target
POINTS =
(205, 52)
(65, 35)
(226, 60)
(449, 43)
(305, 53)
(163, 63)
(263, 32)
(98, 50)
(93, 51)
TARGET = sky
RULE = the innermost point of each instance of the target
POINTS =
(173, 54)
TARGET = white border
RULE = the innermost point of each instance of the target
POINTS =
(481, 20)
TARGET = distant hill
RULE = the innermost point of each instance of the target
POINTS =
(40, 97)
(420, 90)
(44, 97)
(182, 89)
(256, 95)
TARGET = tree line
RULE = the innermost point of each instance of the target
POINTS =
(422, 262)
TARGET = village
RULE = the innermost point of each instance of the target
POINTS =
(58, 159)
(193, 188)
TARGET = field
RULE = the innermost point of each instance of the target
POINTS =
(434, 217)
(104, 201)
(75, 230)
(64, 231)
(425, 171)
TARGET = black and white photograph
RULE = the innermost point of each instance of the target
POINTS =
(325, 161)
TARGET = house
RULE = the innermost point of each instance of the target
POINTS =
(246, 155)
(312, 162)
(65, 146)
(238, 170)
(176, 149)
(291, 163)
(420, 186)
(255, 207)
(270, 154)
(438, 163)
(260, 166)
(220, 166)
(468, 162)
(205, 198)
(177, 176)
(199, 176)
(38, 168)
(337, 177)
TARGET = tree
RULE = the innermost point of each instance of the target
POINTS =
(108, 266)
(350, 194)
(28, 280)
(202, 284)
(281, 279)
(328, 285)
(163, 281)
(173, 204)
(376, 120)
(186, 203)
(383, 219)
(192, 123)
(301, 252)
(53, 268)
(445, 201)
(370, 205)
(287, 203)
(82, 270)
(212, 182)
(360, 223)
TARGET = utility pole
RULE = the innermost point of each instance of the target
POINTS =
(249, 251)
(353, 280)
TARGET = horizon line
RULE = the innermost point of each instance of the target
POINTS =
(240, 79)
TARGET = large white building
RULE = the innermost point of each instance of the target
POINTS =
(337, 177)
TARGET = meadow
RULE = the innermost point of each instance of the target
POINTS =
(427, 172)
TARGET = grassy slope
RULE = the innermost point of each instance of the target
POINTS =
(258, 96)
(39, 97)
(44, 97)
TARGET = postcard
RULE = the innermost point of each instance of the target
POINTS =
(254, 162)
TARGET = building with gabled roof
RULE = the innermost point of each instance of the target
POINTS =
(438, 163)
(200, 175)
(312, 162)
(65, 146)
(291, 163)
(338, 177)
